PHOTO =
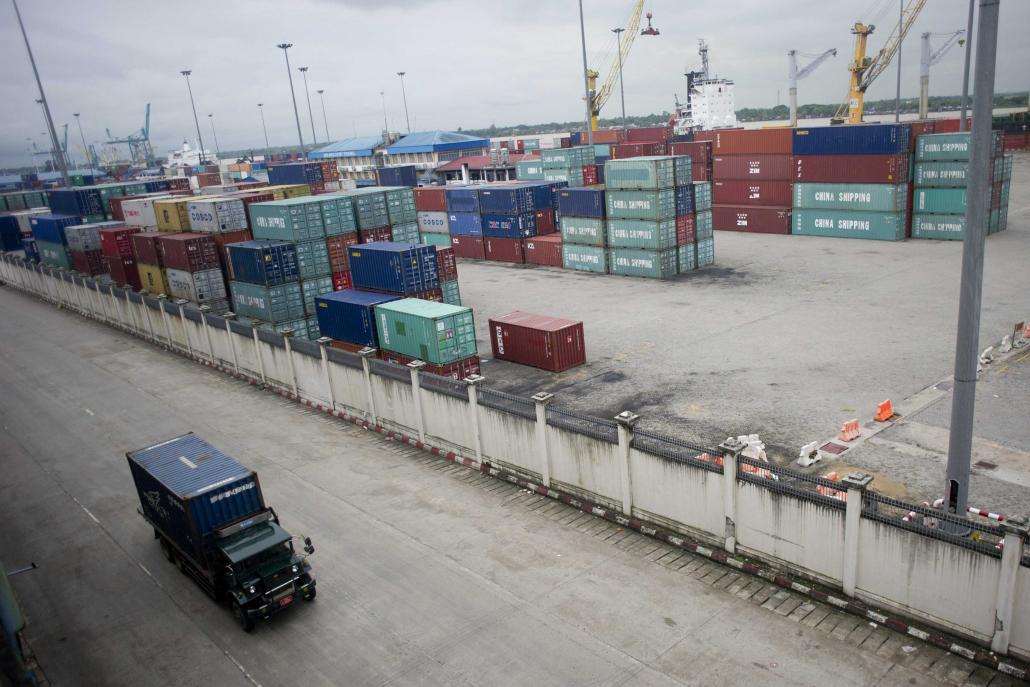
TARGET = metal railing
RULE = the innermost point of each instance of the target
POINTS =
(981, 536)
(605, 430)
(508, 403)
(784, 480)
(677, 450)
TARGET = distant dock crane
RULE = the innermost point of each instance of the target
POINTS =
(140, 150)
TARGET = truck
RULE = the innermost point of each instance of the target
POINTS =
(210, 518)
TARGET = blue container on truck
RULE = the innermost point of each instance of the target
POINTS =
(852, 139)
(464, 223)
(509, 226)
(50, 227)
(402, 268)
(463, 199)
(581, 201)
(264, 262)
(76, 201)
(397, 176)
(349, 315)
(209, 514)
(506, 199)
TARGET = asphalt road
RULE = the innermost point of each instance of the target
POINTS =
(429, 574)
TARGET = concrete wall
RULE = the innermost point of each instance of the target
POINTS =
(510, 440)
(677, 495)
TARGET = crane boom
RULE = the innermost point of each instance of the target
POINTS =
(599, 96)
(814, 64)
(796, 74)
(928, 59)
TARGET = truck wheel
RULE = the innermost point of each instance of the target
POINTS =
(241, 617)
(311, 595)
(166, 549)
(181, 565)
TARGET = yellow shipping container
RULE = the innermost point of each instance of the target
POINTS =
(173, 214)
(152, 278)
(284, 191)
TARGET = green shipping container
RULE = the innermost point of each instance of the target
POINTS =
(860, 197)
(406, 233)
(587, 231)
(584, 258)
(646, 234)
(293, 219)
(652, 172)
(529, 169)
(705, 252)
(313, 259)
(702, 195)
(283, 303)
(574, 176)
(939, 201)
(684, 170)
(558, 158)
(941, 174)
(441, 240)
(686, 258)
(946, 227)
(602, 150)
(641, 204)
(451, 292)
(703, 225)
(531, 144)
(883, 226)
(338, 215)
(54, 254)
(437, 333)
(311, 288)
(653, 264)
(400, 204)
(947, 146)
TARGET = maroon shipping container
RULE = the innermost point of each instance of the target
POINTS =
(685, 230)
(619, 151)
(604, 136)
(341, 281)
(377, 234)
(123, 271)
(117, 242)
(852, 169)
(550, 343)
(589, 175)
(189, 252)
(754, 220)
(704, 135)
(431, 199)
(204, 180)
(545, 223)
(752, 192)
(223, 240)
(446, 264)
(751, 141)
(951, 126)
(116, 205)
(178, 183)
(468, 247)
(649, 134)
(504, 250)
(752, 167)
(90, 262)
(699, 171)
(920, 128)
(543, 250)
(1016, 141)
(145, 248)
(699, 151)
(338, 253)
(458, 370)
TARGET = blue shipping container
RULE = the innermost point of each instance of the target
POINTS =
(10, 233)
(188, 489)
(76, 201)
(463, 199)
(506, 199)
(50, 227)
(157, 186)
(395, 267)
(349, 315)
(296, 173)
(545, 192)
(262, 262)
(853, 139)
(31, 251)
(581, 201)
(397, 176)
(684, 199)
(510, 226)
(465, 224)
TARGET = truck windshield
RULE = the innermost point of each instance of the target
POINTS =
(279, 553)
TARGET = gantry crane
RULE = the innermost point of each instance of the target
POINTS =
(796, 75)
(53, 153)
(864, 70)
(928, 58)
(598, 97)
(139, 143)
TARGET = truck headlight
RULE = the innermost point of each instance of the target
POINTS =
(250, 589)
(296, 569)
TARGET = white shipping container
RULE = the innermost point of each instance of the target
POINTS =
(24, 219)
(219, 189)
(139, 212)
(201, 287)
(432, 222)
(217, 215)
(86, 237)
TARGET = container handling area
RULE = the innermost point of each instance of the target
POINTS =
(722, 394)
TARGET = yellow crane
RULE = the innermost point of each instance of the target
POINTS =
(598, 97)
(864, 69)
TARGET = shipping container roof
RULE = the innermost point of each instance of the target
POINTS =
(482, 162)
(354, 297)
(54, 176)
(188, 465)
(10, 179)
(362, 146)
(431, 141)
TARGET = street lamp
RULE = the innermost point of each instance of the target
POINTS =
(218, 151)
(405, 96)
(296, 113)
(268, 150)
(321, 94)
(386, 125)
(622, 90)
(200, 139)
(307, 93)
(85, 148)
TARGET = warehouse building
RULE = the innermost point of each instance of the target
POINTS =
(426, 150)
(470, 168)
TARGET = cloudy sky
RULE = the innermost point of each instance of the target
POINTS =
(469, 62)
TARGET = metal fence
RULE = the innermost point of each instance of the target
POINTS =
(337, 355)
(605, 430)
(979, 535)
(271, 338)
(791, 482)
(509, 403)
(384, 368)
(677, 450)
(443, 385)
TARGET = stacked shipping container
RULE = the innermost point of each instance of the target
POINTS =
(751, 180)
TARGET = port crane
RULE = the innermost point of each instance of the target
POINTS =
(865, 69)
(928, 58)
(599, 96)
(796, 75)
(140, 150)
(52, 153)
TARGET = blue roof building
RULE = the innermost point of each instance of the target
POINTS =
(362, 146)
(425, 150)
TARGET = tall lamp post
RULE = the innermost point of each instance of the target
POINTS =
(218, 150)
(404, 95)
(296, 113)
(85, 148)
(200, 138)
(307, 94)
(325, 119)
(622, 90)
(268, 150)
(386, 125)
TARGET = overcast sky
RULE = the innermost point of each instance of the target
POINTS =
(469, 63)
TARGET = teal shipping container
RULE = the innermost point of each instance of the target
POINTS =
(441, 240)
(451, 292)
(861, 197)
(641, 173)
(54, 254)
(281, 303)
(573, 176)
(406, 233)
(883, 226)
(437, 333)
(686, 258)
(532, 170)
(684, 170)
(293, 219)
(702, 195)
(939, 201)
(646, 234)
(653, 264)
(313, 259)
(584, 258)
(705, 252)
(945, 227)
(641, 204)
(941, 174)
(312, 288)
(703, 225)
(953, 146)
(564, 158)
(338, 215)
(400, 205)
(589, 231)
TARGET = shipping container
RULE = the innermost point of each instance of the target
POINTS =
(338, 215)
(641, 204)
(446, 264)
(509, 226)
(49, 227)
(567, 158)
(201, 287)
(589, 231)
(506, 199)
(404, 175)
(703, 225)
(940, 201)
(686, 258)
(883, 226)
(468, 247)
(263, 262)
(855, 169)
(432, 222)
(281, 303)
(217, 215)
(434, 332)
(451, 292)
(585, 201)
(465, 224)
(543, 250)
(117, 241)
(123, 271)
(431, 199)
(752, 219)
(89, 263)
(647, 134)
(705, 250)
(152, 278)
(139, 212)
(349, 315)
(400, 204)
(951, 146)
(504, 250)
(312, 288)
(313, 259)
(375, 234)
(172, 214)
(641, 233)
(945, 227)
(621, 151)
(341, 280)
(458, 370)
(751, 192)
(10, 234)
(529, 169)
(853, 139)
(550, 343)
(309, 173)
(336, 248)
(865, 197)
(944, 174)
(751, 141)
(702, 196)
(757, 166)
(653, 264)
(86, 237)
(82, 202)
(640, 173)
(145, 247)
(294, 219)
(394, 267)
(54, 254)
(462, 199)
(584, 258)
(438, 240)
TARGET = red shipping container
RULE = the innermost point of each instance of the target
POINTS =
(754, 220)
(697, 150)
(117, 242)
(852, 169)
(222, 240)
(619, 151)
(565, 142)
(178, 183)
(204, 180)
(589, 175)
(431, 199)
(89, 262)
(699, 171)
(951, 126)
(346, 345)
(446, 264)
(919, 128)
(543, 250)
(377, 234)
(1016, 141)
(752, 192)
(341, 281)
(123, 271)
(705, 135)
(752, 167)
(685, 230)
(458, 370)
(550, 343)
(545, 223)
(116, 205)
(338, 255)
(189, 252)
(649, 134)
(145, 248)
(504, 250)
(468, 247)
(751, 141)
(604, 136)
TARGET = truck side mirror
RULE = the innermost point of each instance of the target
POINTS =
(308, 548)
(230, 576)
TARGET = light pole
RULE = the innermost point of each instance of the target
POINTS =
(268, 150)
(586, 77)
(296, 113)
(901, 36)
(325, 119)
(622, 90)
(404, 95)
(53, 151)
(965, 68)
(386, 125)
(200, 139)
(307, 94)
(85, 148)
(218, 151)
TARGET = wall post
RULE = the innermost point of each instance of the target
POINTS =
(1015, 531)
(541, 401)
(323, 342)
(257, 354)
(287, 333)
(207, 332)
(148, 318)
(132, 316)
(229, 316)
(366, 354)
(416, 392)
(161, 298)
(185, 328)
(472, 382)
(102, 300)
(857, 483)
(731, 450)
(626, 420)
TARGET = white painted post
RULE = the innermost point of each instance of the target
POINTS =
(148, 318)
(257, 354)
(132, 316)
(731, 450)
(185, 332)
(857, 483)
(626, 420)
(366, 369)
(541, 400)
(323, 342)
(1005, 599)
(229, 316)
(207, 332)
(164, 318)
(82, 298)
(287, 333)
(416, 395)
(472, 381)
(103, 302)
